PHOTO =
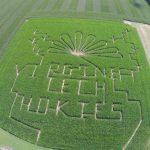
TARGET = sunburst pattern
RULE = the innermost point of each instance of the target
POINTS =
(83, 45)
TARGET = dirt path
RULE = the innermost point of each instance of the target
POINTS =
(144, 33)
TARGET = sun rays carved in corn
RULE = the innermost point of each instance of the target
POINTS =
(80, 44)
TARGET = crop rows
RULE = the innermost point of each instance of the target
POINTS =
(73, 76)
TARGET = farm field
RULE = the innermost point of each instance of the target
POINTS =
(74, 74)
(13, 13)
(76, 84)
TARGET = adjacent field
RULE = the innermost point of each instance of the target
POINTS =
(76, 84)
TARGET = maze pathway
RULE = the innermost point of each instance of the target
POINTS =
(75, 82)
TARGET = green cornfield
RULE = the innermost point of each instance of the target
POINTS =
(75, 84)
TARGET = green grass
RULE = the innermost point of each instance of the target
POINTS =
(8, 140)
(53, 98)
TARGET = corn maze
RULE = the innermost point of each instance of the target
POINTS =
(72, 86)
